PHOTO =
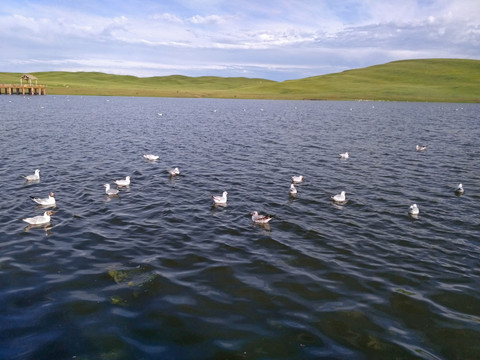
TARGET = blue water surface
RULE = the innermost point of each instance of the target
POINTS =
(158, 272)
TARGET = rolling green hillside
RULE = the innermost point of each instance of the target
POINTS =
(409, 80)
(449, 80)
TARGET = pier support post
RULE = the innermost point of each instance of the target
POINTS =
(23, 89)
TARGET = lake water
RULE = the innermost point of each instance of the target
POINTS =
(160, 273)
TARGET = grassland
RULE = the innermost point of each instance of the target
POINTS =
(446, 80)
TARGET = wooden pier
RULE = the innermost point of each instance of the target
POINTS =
(24, 89)
(19, 89)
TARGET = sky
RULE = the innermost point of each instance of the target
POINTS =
(277, 40)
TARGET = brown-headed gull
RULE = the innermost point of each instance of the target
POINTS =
(110, 192)
(297, 179)
(45, 201)
(344, 155)
(174, 172)
(34, 177)
(260, 219)
(421, 147)
(39, 220)
(124, 182)
(150, 157)
(293, 190)
(459, 190)
(339, 197)
(220, 200)
(413, 210)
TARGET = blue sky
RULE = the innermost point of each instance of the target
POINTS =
(278, 40)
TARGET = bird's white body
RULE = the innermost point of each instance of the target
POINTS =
(220, 200)
(45, 201)
(110, 192)
(344, 155)
(124, 182)
(260, 219)
(297, 179)
(413, 210)
(150, 157)
(339, 197)
(293, 189)
(421, 147)
(459, 189)
(174, 172)
(39, 220)
(34, 177)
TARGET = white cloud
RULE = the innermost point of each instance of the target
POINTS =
(294, 34)
(207, 20)
(168, 18)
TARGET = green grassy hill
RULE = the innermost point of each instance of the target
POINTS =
(449, 80)
(408, 80)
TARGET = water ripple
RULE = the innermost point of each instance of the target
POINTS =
(160, 272)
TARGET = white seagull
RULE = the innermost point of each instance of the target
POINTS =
(344, 155)
(39, 220)
(293, 190)
(339, 197)
(297, 179)
(174, 172)
(220, 200)
(260, 219)
(124, 182)
(45, 201)
(413, 210)
(150, 157)
(459, 190)
(33, 177)
(110, 192)
(421, 147)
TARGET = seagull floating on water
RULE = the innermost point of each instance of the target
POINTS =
(459, 190)
(34, 177)
(45, 201)
(150, 157)
(339, 197)
(220, 200)
(297, 179)
(110, 192)
(39, 220)
(293, 190)
(421, 147)
(260, 219)
(125, 182)
(344, 155)
(413, 210)
(174, 172)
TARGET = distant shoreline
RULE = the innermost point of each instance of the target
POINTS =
(427, 80)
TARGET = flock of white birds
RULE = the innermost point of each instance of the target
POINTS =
(217, 199)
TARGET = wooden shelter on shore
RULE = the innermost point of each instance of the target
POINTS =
(24, 89)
